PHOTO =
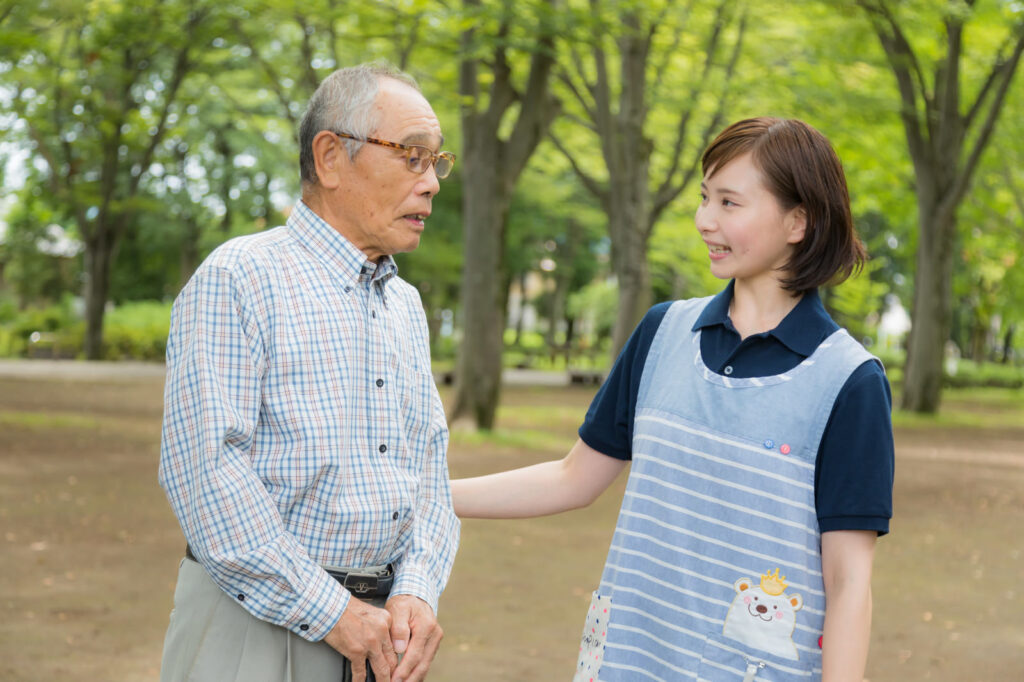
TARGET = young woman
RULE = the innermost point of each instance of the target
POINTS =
(760, 443)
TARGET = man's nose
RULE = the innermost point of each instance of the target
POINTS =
(429, 185)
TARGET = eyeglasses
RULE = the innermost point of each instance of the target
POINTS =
(417, 158)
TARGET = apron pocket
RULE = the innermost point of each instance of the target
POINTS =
(595, 634)
(723, 660)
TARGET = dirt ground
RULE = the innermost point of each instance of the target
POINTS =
(90, 548)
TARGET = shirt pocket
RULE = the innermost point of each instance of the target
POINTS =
(721, 659)
(417, 403)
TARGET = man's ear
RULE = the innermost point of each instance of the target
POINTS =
(330, 159)
(796, 222)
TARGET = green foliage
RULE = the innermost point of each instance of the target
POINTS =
(137, 331)
(855, 301)
(594, 305)
(971, 374)
(40, 331)
(38, 255)
(88, 90)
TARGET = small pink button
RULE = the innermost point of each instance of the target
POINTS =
(784, 449)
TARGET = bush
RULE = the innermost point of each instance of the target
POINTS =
(133, 331)
(137, 331)
(970, 374)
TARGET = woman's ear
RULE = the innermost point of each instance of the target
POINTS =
(330, 158)
(796, 223)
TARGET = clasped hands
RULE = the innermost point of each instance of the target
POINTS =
(405, 627)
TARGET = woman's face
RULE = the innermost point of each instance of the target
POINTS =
(750, 237)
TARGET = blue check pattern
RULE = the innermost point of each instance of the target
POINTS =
(302, 426)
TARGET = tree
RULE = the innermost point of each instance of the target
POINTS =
(294, 45)
(989, 285)
(96, 88)
(946, 137)
(616, 102)
(504, 118)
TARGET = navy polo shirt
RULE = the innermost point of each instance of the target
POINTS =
(854, 469)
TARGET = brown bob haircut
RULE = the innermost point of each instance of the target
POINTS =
(800, 168)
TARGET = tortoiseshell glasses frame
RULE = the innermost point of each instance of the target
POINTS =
(417, 157)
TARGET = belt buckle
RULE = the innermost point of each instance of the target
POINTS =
(361, 583)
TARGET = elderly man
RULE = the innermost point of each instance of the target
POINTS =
(304, 440)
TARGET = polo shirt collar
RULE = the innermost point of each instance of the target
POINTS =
(338, 253)
(802, 330)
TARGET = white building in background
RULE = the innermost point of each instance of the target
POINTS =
(893, 325)
(520, 302)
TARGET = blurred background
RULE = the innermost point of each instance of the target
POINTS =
(137, 136)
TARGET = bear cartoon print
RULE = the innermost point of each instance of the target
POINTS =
(763, 617)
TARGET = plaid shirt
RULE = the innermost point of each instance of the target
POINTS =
(302, 427)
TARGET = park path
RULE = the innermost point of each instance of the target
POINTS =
(100, 370)
(80, 370)
(997, 452)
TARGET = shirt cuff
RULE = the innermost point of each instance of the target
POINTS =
(879, 524)
(414, 579)
(319, 608)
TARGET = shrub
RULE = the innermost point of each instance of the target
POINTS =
(137, 331)
(133, 331)
(970, 374)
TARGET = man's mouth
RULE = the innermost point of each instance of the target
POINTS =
(418, 218)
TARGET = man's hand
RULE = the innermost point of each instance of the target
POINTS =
(416, 633)
(363, 633)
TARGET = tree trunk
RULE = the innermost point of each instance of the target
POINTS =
(628, 220)
(492, 165)
(521, 313)
(1008, 344)
(933, 304)
(570, 337)
(485, 210)
(98, 259)
(563, 281)
(634, 299)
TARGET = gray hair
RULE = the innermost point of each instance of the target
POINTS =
(344, 102)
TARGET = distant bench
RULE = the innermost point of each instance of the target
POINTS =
(586, 377)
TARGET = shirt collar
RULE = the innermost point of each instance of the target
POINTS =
(331, 248)
(802, 330)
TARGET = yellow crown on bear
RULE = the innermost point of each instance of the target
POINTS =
(773, 584)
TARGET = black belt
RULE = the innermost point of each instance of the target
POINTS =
(369, 584)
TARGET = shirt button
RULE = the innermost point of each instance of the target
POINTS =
(380, 382)
(241, 597)
(383, 448)
(394, 516)
(373, 314)
(303, 627)
(728, 369)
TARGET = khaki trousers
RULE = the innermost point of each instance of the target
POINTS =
(211, 638)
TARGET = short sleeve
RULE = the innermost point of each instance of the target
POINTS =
(856, 459)
(608, 426)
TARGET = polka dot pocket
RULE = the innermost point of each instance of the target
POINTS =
(595, 633)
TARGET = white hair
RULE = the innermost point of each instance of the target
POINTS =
(344, 102)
